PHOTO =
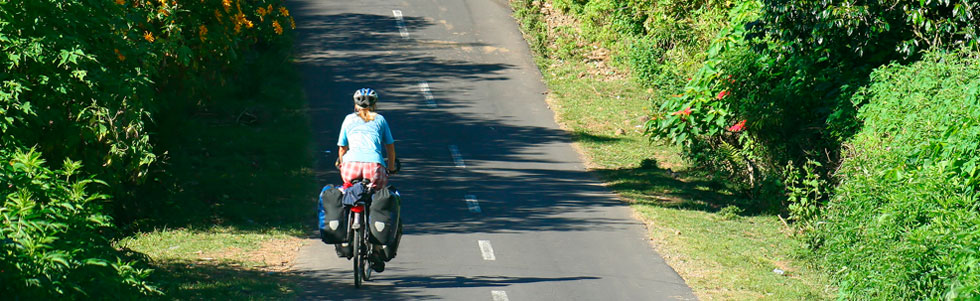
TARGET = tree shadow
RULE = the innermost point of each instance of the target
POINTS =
(403, 287)
(183, 280)
(687, 190)
(581, 136)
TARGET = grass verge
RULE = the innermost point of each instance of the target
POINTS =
(221, 262)
(720, 246)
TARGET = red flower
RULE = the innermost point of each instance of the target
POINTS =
(722, 94)
(738, 127)
(683, 112)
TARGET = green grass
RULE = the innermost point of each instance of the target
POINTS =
(722, 254)
(220, 262)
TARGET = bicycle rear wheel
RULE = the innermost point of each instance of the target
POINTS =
(358, 259)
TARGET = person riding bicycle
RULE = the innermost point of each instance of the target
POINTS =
(362, 136)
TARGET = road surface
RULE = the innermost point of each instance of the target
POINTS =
(497, 203)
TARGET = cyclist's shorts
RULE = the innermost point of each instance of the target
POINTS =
(350, 171)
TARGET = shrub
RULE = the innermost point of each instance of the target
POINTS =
(705, 119)
(53, 240)
(646, 59)
(533, 25)
(788, 69)
(903, 223)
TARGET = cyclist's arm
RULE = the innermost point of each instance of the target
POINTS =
(340, 154)
(390, 151)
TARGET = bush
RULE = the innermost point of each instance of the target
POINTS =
(787, 70)
(903, 223)
(53, 240)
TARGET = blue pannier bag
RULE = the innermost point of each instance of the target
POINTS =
(332, 216)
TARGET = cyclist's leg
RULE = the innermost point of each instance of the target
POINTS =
(376, 173)
(351, 171)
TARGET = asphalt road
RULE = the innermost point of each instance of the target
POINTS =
(466, 106)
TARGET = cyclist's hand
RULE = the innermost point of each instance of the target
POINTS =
(391, 171)
(338, 163)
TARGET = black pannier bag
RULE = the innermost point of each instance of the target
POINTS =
(385, 222)
(332, 216)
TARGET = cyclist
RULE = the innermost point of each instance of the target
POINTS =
(362, 136)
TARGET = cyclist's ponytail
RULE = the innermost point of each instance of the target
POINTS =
(366, 114)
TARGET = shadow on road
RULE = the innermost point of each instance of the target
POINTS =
(404, 287)
(523, 172)
(341, 52)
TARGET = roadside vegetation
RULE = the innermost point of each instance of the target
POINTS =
(134, 127)
(793, 149)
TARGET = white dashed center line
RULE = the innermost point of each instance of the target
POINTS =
(499, 295)
(487, 250)
(427, 93)
(400, 21)
(457, 157)
(473, 204)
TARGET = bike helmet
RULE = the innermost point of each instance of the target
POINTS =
(365, 97)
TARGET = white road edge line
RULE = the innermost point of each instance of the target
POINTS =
(499, 295)
(473, 203)
(427, 93)
(400, 21)
(457, 158)
(486, 249)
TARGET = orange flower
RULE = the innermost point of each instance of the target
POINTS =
(275, 25)
(239, 20)
(261, 11)
(683, 112)
(148, 36)
(217, 16)
(292, 23)
(722, 94)
(226, 4)
(283, 11)
(121, 2)
(119, 55)
(203, 32)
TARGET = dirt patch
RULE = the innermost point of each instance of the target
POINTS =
(597, 58)
(275, 255)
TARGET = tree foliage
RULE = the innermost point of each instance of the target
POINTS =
(80, 85)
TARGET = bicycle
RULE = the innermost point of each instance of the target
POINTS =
(358, 233)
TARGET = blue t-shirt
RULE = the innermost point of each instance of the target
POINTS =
(365, 139)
